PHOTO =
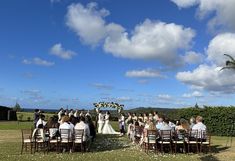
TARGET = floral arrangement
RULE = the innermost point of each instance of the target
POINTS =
(108, 105)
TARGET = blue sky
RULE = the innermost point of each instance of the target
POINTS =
(164, 53)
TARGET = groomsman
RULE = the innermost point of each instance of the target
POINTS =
(122, 124)
(100, 122)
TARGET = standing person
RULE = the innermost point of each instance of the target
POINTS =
(122, 124)
(71, 113)
(108, 129)
(60, 114)
(76, 114)
(36, 117)
(100, 122)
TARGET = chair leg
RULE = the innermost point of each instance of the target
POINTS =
(22, 147)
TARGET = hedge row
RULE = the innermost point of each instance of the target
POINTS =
(219, 120)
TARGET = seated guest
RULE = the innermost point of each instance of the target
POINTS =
(88, 113)
(165, 125)
(184, 125)
(67, 125)
(41, 121)
(141, 122)
(151, 126)
(192, 122)
(199, 125)
(160, 123)
(92, 128)
(85, 127)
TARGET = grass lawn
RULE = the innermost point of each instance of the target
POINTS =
(105, 148)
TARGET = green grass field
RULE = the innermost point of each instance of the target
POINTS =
(105, 148)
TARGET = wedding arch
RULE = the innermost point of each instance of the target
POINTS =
(114, 105)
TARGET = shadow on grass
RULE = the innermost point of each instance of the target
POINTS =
(208, 157)
(218, 148)
(108, 143)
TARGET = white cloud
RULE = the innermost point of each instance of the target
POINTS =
(87, 22)
(164, 96)
(209, 78)
(124, 99)
(145, 73)
(192, 57)
(149, 40)
(59, 51)
(185, 3)
(194, 94)
(38, 61)
(220, 45)
(222, 12)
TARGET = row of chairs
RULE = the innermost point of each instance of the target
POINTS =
(39, 139)
(187, 141)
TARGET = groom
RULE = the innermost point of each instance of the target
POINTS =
(100, 122)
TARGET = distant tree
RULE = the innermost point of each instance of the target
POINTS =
(230, 64)
(17, 107)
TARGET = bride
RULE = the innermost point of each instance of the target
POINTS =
(107, 129)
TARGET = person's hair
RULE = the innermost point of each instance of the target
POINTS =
(42, 116)
(36, 110)
(65, 118)
(184, 123)
(131, 121)
(166, 120)
(73, 120)
(192, 120)
(108, 112)
(82, 118)
(152, 126)
(199, 119)
(137, 123)
(40, 126)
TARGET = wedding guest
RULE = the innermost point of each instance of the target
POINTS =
(184, 125)
(61, 111)
(151, 126)
(160, 123)
(129, 118)
(134, 117)
(129, 127)
(66, 112)
(122, 124)
(140, 116)
(71, 113)
(165, 125)
(53, 127)
(76, 114)
(199, 125)
(155, 116)
(82, 114)
(92, 128)
(88, 113)
(150, 116)
(85, 127)
(192, 122)
(141, 122)
(41, 122)
(36, 117)
(68, 126)
(145, 118)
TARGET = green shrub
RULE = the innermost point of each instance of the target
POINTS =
(219, 120)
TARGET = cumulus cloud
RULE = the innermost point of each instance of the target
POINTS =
(145, 73)
(38, 61)
(222, 12)
(209, 76)
(55, 1)
(192, 57)
(149, 40)
(221, 44)
(87, 22)
(59, 51)
(194, 94)
(164, 96)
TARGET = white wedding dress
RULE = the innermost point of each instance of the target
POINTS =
(107, 129)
